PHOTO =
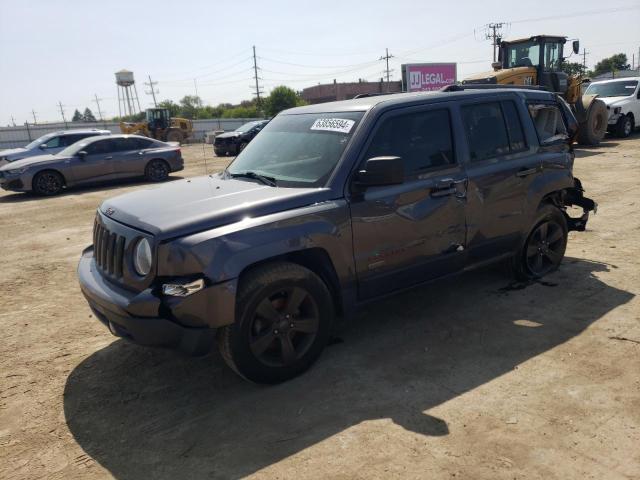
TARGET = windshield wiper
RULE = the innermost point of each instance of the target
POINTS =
(271, 181)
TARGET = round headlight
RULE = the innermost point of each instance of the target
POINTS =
(142, 257)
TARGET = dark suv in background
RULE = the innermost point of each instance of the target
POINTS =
(232, 143)
(333, 205)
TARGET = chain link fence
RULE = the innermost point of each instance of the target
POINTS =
(21, 135)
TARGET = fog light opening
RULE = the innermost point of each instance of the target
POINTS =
(182, 289)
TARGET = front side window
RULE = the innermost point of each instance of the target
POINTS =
(525, 54)
(548, 122)
(54, 142)
(486, 131)
(298, 150)
(99, 147)
(423, 140)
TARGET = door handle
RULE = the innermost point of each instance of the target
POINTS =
(108, 158)
(140, 153)
(448, 186)
(526, 172)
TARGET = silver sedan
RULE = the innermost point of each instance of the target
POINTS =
(92, 160)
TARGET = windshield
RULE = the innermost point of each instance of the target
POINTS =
(74, 148)
(247, 126)
(525, 54)
(298, 150)
(613, 89)
(40, 141)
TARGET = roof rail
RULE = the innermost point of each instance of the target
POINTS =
(365, 95)
(484, 86)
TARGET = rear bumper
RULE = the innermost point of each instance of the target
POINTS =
(187, 324)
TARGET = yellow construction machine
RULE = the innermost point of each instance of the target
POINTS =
(160, 125)
(537, 61)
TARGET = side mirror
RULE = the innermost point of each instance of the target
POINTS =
(576, 46)
(42, 146)
(81, 154)
(381, 171)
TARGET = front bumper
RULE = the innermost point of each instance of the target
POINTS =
(12, 183)
(187, 324)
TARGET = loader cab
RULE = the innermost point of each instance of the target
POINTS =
(158, 118)
(542, 53)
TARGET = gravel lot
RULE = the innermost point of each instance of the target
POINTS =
(466, 378)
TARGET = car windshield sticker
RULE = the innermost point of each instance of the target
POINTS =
(339, 125)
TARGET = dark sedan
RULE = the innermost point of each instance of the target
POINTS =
(92, 160)
(232, 143)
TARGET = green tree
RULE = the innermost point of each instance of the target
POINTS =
(572, 68)
(77, 116)
(613, 63)
(241, 112)
(173, 107)
(190, 106)
(280, 99)
(88, 116)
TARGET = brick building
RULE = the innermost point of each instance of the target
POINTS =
(344, 91)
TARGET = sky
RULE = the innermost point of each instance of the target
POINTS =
(68, 51)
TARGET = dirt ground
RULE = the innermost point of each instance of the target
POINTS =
(467, 378)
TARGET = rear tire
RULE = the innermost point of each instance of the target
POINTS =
(175, 136)
(283, 316)
(544, 248)
(593, 130)
(156, 171)
(624, 127)
(47, 183)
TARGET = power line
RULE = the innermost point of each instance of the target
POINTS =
(387, 71)
(152, 91)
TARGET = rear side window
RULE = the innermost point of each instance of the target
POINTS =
(142, 143)
(486, 131)
(549, 123)
(422, 139)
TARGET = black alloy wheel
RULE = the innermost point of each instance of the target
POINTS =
(48, 183)
(157, 171)
(545, 248)
(284, 327)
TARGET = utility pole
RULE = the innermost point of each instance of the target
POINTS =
(387, 71)
(62, 113)
(584, 61)
(195, 86)
(35, 120)
(13, 121)
(494, 33)
(152, 91)
(97, 100)
(256, 78)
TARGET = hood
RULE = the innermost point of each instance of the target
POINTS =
(29, 161)
(614, 101)
(229, 134)
(11, 152)
(201, 203)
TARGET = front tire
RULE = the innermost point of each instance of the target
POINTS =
(545, 246)
(47, 183)
(156, 171)
(592, 131)
(624, 127)
(283, 316)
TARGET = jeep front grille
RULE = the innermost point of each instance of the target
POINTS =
(108, 250)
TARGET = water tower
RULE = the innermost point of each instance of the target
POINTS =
(127, 93)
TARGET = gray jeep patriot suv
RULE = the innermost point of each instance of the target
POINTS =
(330, 206)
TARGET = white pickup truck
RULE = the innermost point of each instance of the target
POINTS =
(622, 97)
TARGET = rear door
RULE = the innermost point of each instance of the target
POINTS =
(408, 233)
(501, 166)
(97, 165)
(130, 158)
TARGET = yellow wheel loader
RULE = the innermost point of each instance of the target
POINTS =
(159, 125)
(537, 61)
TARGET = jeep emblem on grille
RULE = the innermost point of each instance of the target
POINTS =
(110, 211)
